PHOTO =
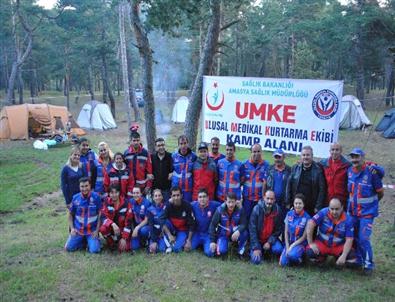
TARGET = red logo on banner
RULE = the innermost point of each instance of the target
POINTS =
(213, 100)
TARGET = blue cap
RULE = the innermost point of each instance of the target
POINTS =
(203, 145)
(357, 151)
(278, 152)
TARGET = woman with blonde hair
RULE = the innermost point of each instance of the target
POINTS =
(102, 165)
(72, 171)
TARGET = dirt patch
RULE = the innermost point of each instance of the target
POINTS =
(42, 200)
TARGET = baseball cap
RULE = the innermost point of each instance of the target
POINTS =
(203, 145)
(278, 152)
(357, 151)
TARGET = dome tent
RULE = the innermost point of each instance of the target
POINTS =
(96, 115)
(352, 114)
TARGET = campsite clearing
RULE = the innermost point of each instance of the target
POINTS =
(34, 229)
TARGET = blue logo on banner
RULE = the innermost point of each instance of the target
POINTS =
(325, 104)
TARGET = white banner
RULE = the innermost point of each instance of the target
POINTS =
(276, 113)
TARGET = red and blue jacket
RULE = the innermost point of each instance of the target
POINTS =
(363, 187)
(140, 165)
(216, 157)
(182, 170)
(154, 212)
(180, 216)
(335, 172)
(330, 232)
(254, 177)
(88, 160)
(115, 214)
(296, 225)
(204, 175)
(225, 223)
(85, 211)
(139, 209)
(122, 177)
(101, 171)
(229, 176)
(259, 225)
(204, 215)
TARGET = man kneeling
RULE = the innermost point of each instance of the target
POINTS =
(265, 228)
(335, 234)
(229, 222)
(84, 219)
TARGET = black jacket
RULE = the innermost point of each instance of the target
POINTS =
(318, 187)
(256, 224)
(270, 181)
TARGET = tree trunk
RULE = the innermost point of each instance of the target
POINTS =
(66, 89)
(205, 66)
(132, 93)
(145, 52)
(11, 83)
(389, 80)
(20, 86)
(19, 56)
(124, 61)
(91, 83)
(106, 85)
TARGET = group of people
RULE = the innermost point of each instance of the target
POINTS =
(182, 201)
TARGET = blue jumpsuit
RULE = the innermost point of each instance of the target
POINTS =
(140, 210)
(203, 218)
(296, 226)
(363, 204)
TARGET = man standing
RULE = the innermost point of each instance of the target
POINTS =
(307, 178)
(204, 173)
(335, 234)
(265, 228)
(84, 219)
(335, 171)
(215, 155)
(230, 173)
(162, 167)
(183, 160)
(254, 175)
(366, 189)
(178, 223)
(277, 177)
(139, 162)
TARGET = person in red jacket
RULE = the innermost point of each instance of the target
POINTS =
(204, 173)
(114, 213)
(119, 173)
(139, 162)
(335, 171)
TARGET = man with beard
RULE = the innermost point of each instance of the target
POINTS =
(335, 235)
(214, 154)
(265, 227)
(277, 177)
(366, 189)
(307, 178)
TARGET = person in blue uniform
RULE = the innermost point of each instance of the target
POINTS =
(203, 210)
(295, 233)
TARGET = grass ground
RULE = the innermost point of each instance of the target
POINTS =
(34, 266)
